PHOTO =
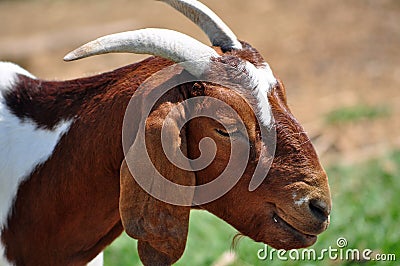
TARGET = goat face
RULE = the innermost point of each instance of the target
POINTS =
(292, 205)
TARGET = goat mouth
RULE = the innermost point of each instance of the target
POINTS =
(290, 228)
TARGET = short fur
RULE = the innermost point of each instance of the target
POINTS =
(71, 206)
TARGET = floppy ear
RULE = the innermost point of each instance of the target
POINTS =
(160, 227)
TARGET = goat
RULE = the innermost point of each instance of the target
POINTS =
(74, 175)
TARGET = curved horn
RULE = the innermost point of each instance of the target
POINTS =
(168, 44)
(217, 31)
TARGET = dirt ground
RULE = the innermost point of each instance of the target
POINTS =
(330, 54)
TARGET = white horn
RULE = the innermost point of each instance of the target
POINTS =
(168, 44)
(217, 31)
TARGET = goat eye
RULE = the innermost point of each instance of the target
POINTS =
(233, 133)
(222, 132)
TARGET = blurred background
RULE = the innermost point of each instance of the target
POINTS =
(339, 60)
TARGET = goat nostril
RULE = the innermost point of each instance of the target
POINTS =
(319, 209)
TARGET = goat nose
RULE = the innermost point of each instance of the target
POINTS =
(319, 209)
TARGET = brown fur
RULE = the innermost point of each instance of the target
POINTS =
(68, 208)
(71, 206)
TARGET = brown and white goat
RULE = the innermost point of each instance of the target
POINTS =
(67, 192)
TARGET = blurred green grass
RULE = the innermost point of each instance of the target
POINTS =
(356, 113)
(366, 212)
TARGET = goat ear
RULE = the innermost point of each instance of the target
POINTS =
(160, 227)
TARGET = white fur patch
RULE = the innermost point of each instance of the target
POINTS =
(3, 260)
(22, 145)
(263, 80)
(301, 201)
(8, 75)
(98, 261)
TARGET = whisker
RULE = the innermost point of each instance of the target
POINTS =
(235, 240)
